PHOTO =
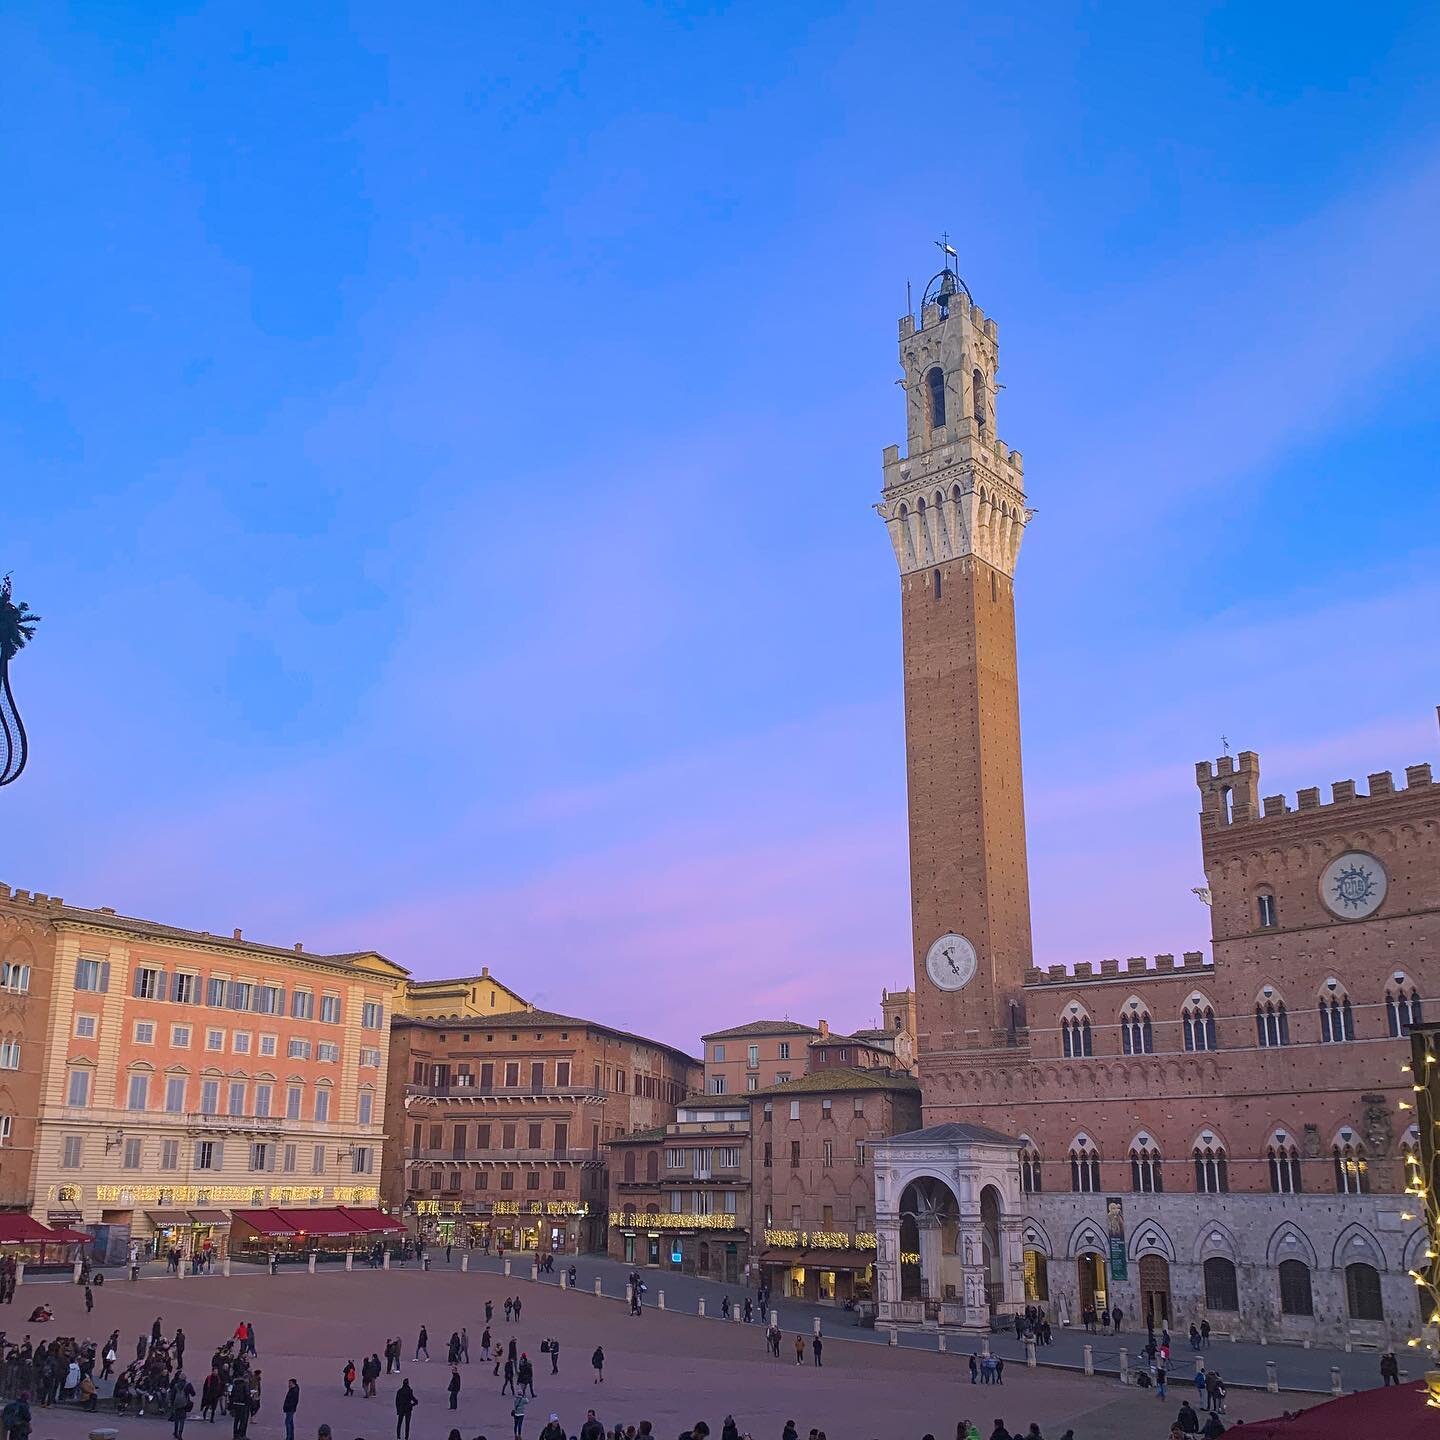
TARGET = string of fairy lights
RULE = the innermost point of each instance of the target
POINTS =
(1422, 1185)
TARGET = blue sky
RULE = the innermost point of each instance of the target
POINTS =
(441, 442)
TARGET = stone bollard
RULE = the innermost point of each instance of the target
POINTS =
(75, 1272)
(985, 1348)
(19, 1272)
(349, 1261)
(774, 1317)
(629, 1295)
(564, 1279)
(183, 1268)
(1199, 1364)
(103, 1434)
(534, 1271)
(225, 1267)
(894, 1335)
(737, 1317)
(465, 1264)
(310, 1266)
(597, 1286)
(1030, 1358)
(940, 1342)
(1089, 1359)
(817, 1325)
(660, 1300)
(385, 1261)
(700, 1308)
(1336, 1388)
(507, 1267)
(1272, 1380)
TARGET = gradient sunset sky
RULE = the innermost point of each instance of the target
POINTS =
(441, 442)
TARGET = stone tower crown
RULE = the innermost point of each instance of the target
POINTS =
(960, 490)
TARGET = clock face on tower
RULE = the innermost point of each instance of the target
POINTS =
(950, 962)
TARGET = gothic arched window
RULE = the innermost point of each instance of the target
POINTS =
(1030, 1181)
(1352, 1169)
(1272, 1023)
(1402, 1006)
(1136, 1033)
(1337, 1019)
(1146, 1174)
(1197, 1021)
(1084, 1168)
(1075, 1038)
(1212, 1172)
(1284, 1163)
(935, 396)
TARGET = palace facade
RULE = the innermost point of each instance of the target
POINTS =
(1218, 1137)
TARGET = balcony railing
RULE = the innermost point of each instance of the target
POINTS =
(497, 1156)
(515, 1092)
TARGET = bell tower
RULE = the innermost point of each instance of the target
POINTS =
(955, 509)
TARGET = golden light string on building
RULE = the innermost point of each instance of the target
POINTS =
(1419, 1184)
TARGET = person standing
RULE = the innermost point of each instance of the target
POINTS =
(1160, 1380)
(509, 1377)
(179, 1344)
(1389, 1369)
(1116, 1316)
(422, 1344)
(799, 1350)
(89, 1299)
(454, 1387)
(289, 1406)
(517, 1412)
(815, 1345)
(182, 1401)
(464, 1345)
(525, 1374)
(405, 1403)
(239, 1408)
(597, 1363)
(554, 1356)
(347, 1376)
(517, 1309)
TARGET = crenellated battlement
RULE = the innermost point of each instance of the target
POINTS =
(1135, 968)
(39, 899)
(1215, 780)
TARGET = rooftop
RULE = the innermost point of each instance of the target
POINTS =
(103, 918)
(531, 1018)
(841, 1078)
(763, 1027)
(953, 1133)
(638, 1137)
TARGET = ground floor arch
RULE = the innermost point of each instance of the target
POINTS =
(1092, 1282)
(1156, 1308)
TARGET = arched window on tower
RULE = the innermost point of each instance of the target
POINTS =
(1084, 1167)
(1030, 1181)
(1337, 1019)
(977, 396)
(1272, 1022)
(1136, 1033)
(1402, 1005)
(1283, 1160)
(1076, 1042)
(935, 396)
(1352, 1167)
(1212, 1171)
(1147, 1177)
(1197, 1024)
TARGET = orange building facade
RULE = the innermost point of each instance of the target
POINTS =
(186, 1075)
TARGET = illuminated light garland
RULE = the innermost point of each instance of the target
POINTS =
(1423, 1168)
(819, 1240)
(671, 1220)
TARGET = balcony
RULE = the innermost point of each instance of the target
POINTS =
(501, 1157)
(500, 1092)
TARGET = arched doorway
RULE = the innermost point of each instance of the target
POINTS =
(929, 1223)
(994, 1255)
(704, 1258)
(1037, 1277)
(1155, 1290)
(1090, 1283)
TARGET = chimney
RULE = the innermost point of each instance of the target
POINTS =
(238, 935)
(298, 947)
(824, 1029)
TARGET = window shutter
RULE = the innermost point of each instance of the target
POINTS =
(161, 992)
(135, 983)
(232, 996)
(219, 1154)
(257, 997)
(104, 977)
(279, 999)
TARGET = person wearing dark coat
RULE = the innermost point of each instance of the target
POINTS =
(405, 1403)
(454, 1387)
(597, 1363)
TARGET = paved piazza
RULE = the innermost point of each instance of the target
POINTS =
(669, 1368)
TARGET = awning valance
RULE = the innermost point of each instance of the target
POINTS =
(264, 1222)
(209, 1217)
(371, 1221)
(165, 1219)
(17, 1228)
(325, 1220)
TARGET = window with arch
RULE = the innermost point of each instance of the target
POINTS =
(1402, 1006)
(652, 1165)
(1352, 1168)
(977, 395)
(1147, 1176)
(1362, 1292)
(1221, 1290)
(1197, 1024)
(1295, 1296)
(1084, 1168)
(1283, 1159)
(1075, 1038)
(1272, 1023)
(1136, 1033)
(1212, 1170)
(1266, 914)
(1337, 1018)
(628, 1172)
(935, 396)
(1030, 1181)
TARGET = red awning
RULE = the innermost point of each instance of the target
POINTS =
(17, 1228)
(1398, 1412)
(264, 1222)
(371, 1221)
(71, 1237)
(327, 1220)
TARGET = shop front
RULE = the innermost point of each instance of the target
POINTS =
(37, 1246)
(819, 1275)
(712, 1246)
(200, 1236)
(558, 1227)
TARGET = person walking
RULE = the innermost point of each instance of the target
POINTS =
(1389, 1369)
(347, 1375)
(405, 1402)
(454, 1387)
(239, 1408)
(1160, 1380)
(464, 1345)
(597, 1363)
(592, 1429)
(422, 1344)
(108, 1357)
(289, 1405)
(553, 1430)
(817, 1347)
(517, 1413)
(509, 1310)
(489, 1311)
(517, 1309)
(1116, 1316)
(509, 1376)
(182, 1401)
(178, 1344)
(554, 1356)
(525, 1374)
(210, 1393)
(89, 1299)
